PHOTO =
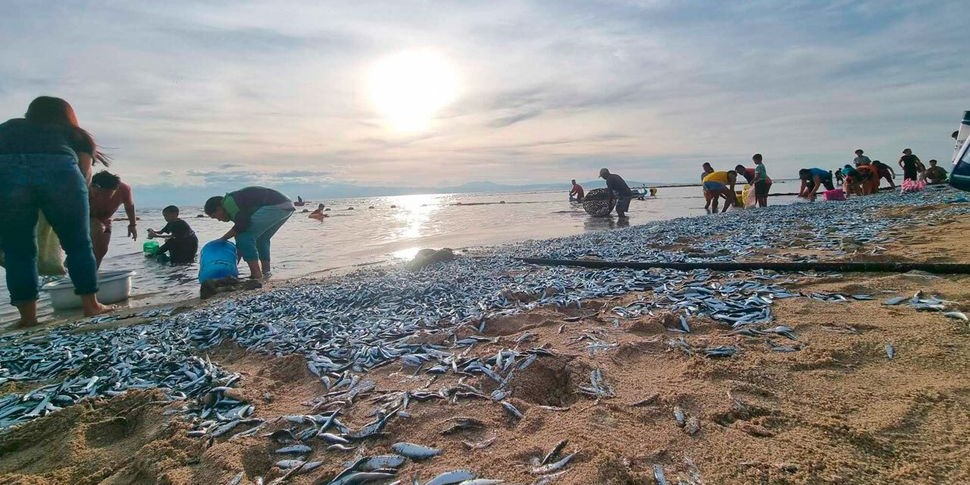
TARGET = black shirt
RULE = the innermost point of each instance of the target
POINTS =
(178, 229)
(21, 136)
(618, 186)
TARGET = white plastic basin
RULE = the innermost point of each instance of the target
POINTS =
(113, 286)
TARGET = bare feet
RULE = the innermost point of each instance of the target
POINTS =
(26, 323)
(93, 307)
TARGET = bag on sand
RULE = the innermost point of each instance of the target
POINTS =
(910, 186)
(749, 198)
(50, 257)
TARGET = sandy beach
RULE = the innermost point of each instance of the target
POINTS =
(855, 391)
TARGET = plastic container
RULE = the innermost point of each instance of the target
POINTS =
(113, 286)
(150, 248)
(834, 194)
(217, 260)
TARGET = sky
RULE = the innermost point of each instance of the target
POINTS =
(213, 94)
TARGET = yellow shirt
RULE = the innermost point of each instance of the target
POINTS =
(719, 177)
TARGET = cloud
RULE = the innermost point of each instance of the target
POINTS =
(262, 93)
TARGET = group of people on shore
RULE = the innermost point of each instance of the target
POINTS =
(864, 176)
(46, 176)
(721, 184)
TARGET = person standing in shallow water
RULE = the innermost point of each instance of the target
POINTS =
(577, 193)
(257, 213)
(45, 159)
(106, 195)
(619, 190)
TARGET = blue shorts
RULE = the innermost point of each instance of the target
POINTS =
(714, 186)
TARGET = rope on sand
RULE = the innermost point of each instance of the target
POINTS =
(841, 267)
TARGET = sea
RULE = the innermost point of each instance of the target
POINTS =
(374, 230)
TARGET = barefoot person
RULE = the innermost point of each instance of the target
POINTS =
(257, 213)
(107, 194)
(885, 172)
(721, 184)
(911, 165)
(707, 169)
(812, 179)
(619, 191)
(43, 161)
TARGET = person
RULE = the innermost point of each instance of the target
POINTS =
(812, 179)
(577, 193)
(935, 174)
(45, 159)
(911, 165)
(861, 159)
(852, 180)
(707, 170)
(619, 191)
(107, 194)
(762, 183)
(181, 242)
(257, 213)
(839, 177)
(885, 172)
(318, 213)
(721, 184)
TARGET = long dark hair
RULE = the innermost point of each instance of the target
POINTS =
(48, 110)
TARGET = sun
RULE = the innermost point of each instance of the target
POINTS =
(410, 87)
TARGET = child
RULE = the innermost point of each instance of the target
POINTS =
(257, 213)
(181, 241)
(761, 180)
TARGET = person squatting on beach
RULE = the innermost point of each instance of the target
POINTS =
(181, 242)
(935, 174)
(107, 194)
(45, 159)
(576, 193)
(862, 180)
(721, 184)
(812, 179)
(257, 213)
(619, 191)
(707, 169)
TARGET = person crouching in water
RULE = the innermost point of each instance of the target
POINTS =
(257, 213)
(721, 184)
(181, 242)
(577, 193)
(318, 213)
(813, 179)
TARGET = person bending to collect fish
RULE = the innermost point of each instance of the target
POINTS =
(45, 158)
(812, 179)
(257, 213)
(721, 184)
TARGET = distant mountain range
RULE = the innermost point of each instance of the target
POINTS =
(162, 195)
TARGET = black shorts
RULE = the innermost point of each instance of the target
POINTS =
(623, 204)
(827, 182)
(761, 188)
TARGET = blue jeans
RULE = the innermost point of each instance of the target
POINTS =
(51, 183)
(254, 242)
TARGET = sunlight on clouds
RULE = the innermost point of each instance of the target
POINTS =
(410, 87)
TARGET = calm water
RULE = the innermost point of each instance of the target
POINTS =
(306, 247)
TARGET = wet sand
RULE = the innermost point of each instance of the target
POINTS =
(837, 411)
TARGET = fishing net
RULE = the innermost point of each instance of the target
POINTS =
(597, 203)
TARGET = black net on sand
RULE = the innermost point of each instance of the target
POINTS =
(597, 203)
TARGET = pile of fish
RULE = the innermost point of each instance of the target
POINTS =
(349, 326)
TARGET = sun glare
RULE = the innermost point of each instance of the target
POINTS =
(410, 87)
